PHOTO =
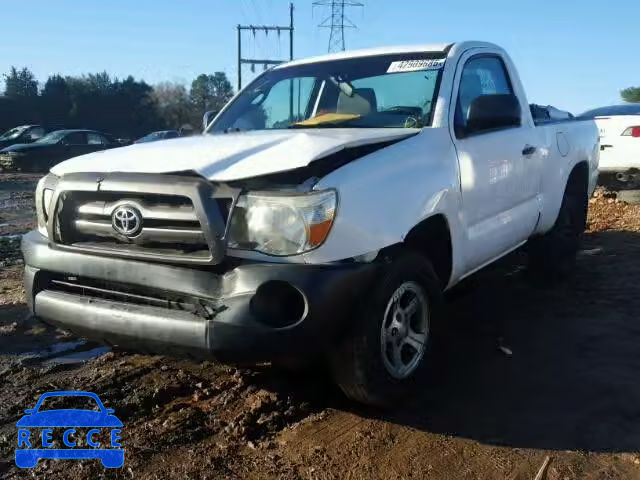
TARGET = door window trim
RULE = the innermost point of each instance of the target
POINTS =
(457, 95)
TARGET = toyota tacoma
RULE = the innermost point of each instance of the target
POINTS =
(322, 214)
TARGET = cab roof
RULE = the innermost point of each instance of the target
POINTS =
(444, 48)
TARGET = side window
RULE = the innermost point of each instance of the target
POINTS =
(76, 138)
(480, 76)
(409, 94)
(36, 133)
(96, 139)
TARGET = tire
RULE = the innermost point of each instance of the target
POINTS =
(552, 255)
(363, 365)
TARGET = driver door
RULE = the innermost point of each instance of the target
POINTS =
(499, 167)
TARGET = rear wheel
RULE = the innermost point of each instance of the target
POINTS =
(552, 255)
(386, 355)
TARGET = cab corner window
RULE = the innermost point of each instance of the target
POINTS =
(485, 87)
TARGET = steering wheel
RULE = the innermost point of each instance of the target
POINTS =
(406, 110)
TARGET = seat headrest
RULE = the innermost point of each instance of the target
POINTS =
(362, 102)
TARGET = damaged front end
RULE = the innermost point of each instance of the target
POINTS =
(154, 262)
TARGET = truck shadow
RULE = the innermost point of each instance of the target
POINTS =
(572, 380)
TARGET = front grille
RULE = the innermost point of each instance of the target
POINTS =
(170, 220)
(176, 219)
(170, 225)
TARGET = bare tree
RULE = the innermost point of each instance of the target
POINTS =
(173, 104)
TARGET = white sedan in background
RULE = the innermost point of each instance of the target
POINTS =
(619, 127)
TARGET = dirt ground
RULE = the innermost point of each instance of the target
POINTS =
(569, 390)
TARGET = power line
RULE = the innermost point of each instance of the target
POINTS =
(258, 30)
(257, 9)
(337, 21)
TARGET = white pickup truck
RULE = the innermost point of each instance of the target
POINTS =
(322, 214)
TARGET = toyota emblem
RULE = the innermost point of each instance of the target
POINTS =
(126, 220)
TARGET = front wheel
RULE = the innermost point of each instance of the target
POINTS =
(386, 355)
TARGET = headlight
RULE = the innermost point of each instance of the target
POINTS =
(47, 195)
(44, 195)
(282, 224)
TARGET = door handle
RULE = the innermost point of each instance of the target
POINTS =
(528, 150)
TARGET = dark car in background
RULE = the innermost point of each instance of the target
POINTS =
(52, 149)
(160, 135)
(22, 134)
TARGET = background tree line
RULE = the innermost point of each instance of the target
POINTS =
(631, 94)
(127, 108)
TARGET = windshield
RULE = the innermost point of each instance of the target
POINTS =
(13, 133)
(393, 91)
(151, 137)
(53, 137)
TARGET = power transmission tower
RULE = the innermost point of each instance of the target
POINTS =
(265, 62)
(337, 21)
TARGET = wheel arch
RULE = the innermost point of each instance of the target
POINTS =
(578, 184)
(578, 177)
(572, 178)
(432, 238)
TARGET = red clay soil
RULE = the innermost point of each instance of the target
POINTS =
(569, 390)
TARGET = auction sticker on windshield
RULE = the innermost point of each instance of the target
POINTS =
(415, 65)
(69, 433)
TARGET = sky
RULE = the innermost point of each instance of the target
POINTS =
(573, 54)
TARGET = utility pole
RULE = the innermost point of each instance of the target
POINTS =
(265, 62)
(337, 21)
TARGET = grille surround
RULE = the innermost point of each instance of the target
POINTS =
(186, 223)
(162, 222)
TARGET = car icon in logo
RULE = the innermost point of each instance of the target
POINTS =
(126, 220)
(43, 422)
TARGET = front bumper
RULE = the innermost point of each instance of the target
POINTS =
(233, 330)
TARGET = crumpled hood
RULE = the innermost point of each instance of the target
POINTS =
(232, 156)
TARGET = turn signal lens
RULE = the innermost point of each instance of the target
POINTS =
(319, 231)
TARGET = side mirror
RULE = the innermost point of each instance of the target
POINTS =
(109, 410)
(30, 410)
(490, 112)
(208, 117)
